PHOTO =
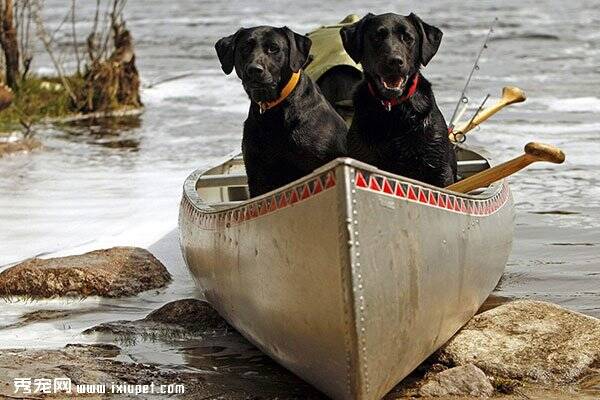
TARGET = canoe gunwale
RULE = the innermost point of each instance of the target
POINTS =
(190, 185)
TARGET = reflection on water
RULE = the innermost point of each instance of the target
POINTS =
(115, 133)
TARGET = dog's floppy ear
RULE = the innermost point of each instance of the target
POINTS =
(431, 37)
(226, 51)
(352, 38)
(299, 48)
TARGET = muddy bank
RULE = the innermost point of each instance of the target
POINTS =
(98, 365)
(115, 272)
(220, 363)
(444, 374)
(101, 365)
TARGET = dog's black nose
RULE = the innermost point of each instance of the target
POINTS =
(254, 70)
(395, 62)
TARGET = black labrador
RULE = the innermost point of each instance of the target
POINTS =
(397, 125)
(291, 129)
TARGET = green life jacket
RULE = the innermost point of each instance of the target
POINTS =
(327, 50)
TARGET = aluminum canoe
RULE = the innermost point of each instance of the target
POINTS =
(351, 276)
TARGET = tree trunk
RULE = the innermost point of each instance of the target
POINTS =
(8, 40)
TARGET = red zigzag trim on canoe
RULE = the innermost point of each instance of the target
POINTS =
(430, 197)
(263, 207)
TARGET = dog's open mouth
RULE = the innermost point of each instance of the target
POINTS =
(393, 82)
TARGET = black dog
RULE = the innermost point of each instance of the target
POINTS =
(291, 129)
(397, 125)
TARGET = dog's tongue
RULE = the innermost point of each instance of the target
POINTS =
(392, 83)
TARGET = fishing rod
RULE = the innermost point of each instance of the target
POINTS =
(464, 100)
(459, 136)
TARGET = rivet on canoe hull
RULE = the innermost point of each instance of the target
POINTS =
(358, 284)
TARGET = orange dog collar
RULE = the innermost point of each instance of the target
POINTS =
(287, 89)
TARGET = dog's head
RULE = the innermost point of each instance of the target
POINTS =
(391, 48)
(264, 58)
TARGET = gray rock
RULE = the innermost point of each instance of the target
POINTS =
(466, 380)
(527, 340)
(192, 314)
(115, 272)
(180, 318)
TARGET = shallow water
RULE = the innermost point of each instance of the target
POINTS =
(120, 183)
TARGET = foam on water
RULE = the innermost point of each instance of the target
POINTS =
(578, 104)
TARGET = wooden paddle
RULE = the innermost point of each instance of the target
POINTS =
(510, 95)
(533, 152)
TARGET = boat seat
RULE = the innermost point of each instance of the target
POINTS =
(472, 166)
(222, 180)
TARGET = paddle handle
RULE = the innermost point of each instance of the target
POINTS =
(533, 152)
(510, 95)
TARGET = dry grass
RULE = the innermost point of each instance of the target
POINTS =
(36, 99)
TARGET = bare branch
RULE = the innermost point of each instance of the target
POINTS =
(92, 39)
(108, 29)
(23, 27)
(47, 41)
(75, 48)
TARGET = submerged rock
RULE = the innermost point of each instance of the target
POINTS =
(192, 314)
(115, 272)
(20, 145)
(528, 341)
(181, 318)
(45, 316)
(222, 363)
(466, 380)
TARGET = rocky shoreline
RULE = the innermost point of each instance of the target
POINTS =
(115, 272)
(510, 350)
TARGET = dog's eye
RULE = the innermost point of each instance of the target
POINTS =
(272, 49)
(407, 38)
(381, 33)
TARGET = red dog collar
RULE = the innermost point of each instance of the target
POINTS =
(388, 104)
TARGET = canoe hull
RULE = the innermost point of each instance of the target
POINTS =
(267, 275)
(350, 277)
